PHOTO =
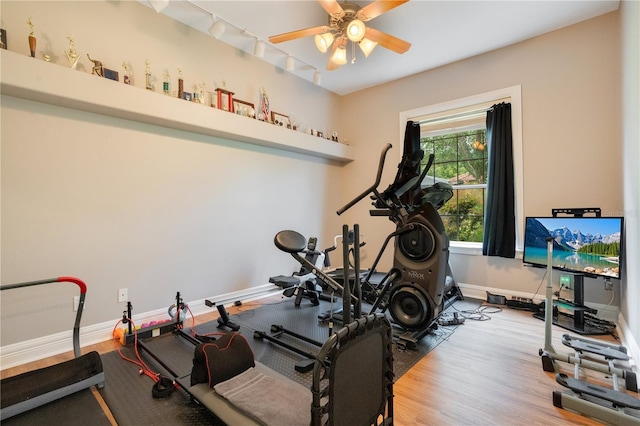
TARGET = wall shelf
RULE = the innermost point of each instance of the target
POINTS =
(33, 79)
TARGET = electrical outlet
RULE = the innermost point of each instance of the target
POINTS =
(76, 303)
(566, 281)
(123, 295)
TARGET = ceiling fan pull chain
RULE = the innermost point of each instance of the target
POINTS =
(353, 53)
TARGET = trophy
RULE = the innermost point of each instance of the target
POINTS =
(72, 55)
(203, 96)
(148, 77)
(225, 98)
(32, 40)
(166, 83)
(180, 84)
(127, 77)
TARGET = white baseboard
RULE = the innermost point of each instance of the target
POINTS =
(629, 341)
(54, 344)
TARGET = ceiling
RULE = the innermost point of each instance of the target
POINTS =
(441, 32)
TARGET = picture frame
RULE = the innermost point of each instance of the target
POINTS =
(244, 108)
(3, 38)
(111, 74)
(280, 119)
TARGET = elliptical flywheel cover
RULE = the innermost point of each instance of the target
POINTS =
(409, 306)
(418, 244)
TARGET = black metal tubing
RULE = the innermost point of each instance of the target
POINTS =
(83, 292)
(280, 329)
(263, 335)
(373, 187)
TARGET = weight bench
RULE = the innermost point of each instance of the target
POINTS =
(32, 389)
(352, 384)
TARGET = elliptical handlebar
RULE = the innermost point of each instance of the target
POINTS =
(373, 187)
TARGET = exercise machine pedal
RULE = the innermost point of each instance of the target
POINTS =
(596, 347)
(616, 398)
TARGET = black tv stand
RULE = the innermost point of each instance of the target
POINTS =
(575, 322)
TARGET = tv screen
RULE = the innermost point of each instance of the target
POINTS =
(587, 245)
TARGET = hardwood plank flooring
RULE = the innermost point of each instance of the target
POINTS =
(487, 373)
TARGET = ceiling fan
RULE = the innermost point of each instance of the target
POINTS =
(346, 23)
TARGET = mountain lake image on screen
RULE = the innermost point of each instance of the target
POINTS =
(586, 245)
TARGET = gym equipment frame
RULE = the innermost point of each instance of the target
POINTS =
(32, 389)
(604, 404)
(413, 290)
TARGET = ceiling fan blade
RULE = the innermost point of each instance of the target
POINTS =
(387, 40)
(332, 7)
(377, 8)
(298, 34)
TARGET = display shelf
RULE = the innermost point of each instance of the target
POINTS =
(33, 79)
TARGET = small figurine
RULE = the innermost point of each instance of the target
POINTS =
(32, 39)
(72, 55)
(97, 69)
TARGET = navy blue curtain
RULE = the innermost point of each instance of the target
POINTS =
(499, 221)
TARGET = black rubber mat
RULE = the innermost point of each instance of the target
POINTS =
(128, 394)
(78, 409)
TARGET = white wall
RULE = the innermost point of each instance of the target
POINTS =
(630, 19)
(121, 204)
(570, 82)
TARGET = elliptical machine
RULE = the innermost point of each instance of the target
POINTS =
(413, 290)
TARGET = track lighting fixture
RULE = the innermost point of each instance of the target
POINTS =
(290, 63)
(217, 28)
(159, 5)
(258, 50)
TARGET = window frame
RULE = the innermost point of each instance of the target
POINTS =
(514, 93)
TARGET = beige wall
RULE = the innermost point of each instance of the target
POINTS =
(150, 246)
(127, 205)
(570, 82)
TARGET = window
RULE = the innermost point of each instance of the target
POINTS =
(461, 161)
(455, 133)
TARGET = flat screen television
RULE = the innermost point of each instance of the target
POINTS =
(587, 245)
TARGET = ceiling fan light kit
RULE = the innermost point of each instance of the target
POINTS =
(323, 41)
(347, 22)
(367, 46)
(339, 56)
(355, 30)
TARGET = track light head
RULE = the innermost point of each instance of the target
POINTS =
(217, 29)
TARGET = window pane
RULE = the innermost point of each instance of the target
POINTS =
(472, 172)
(463, 215)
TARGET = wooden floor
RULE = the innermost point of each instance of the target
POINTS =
(487, 373)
